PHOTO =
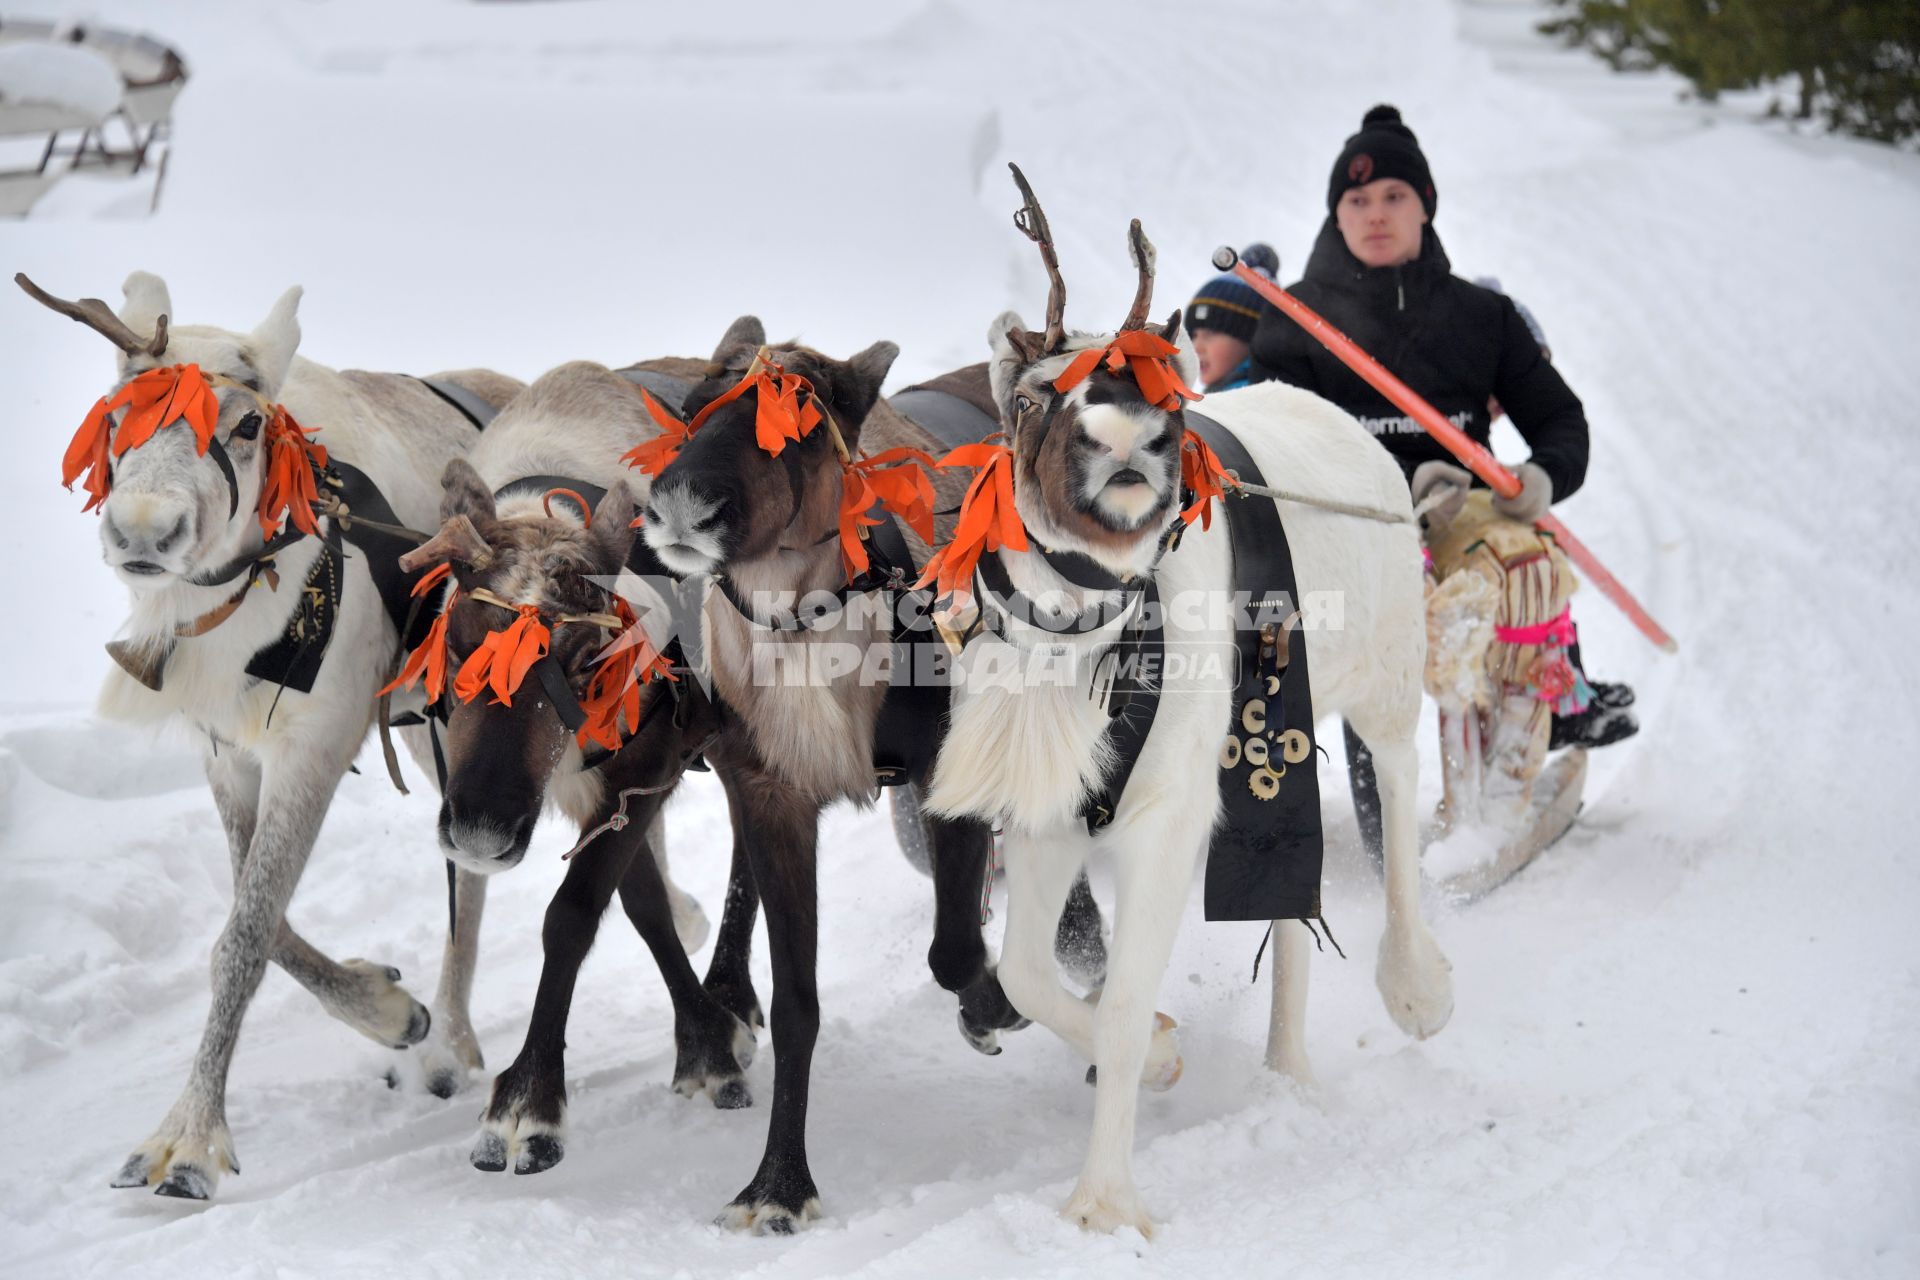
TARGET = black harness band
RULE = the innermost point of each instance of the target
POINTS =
(471, 406)
(670, 391)
(1266, 853)
(948, 418)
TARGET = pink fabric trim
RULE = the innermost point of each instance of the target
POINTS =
(1558, 631)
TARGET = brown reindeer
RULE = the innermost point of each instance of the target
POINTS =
(553, 691)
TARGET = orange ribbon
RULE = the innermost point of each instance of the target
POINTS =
(1202, 472)
(504, 658)
(988, 519)
(288, 487)
(779, 416)
(614, 688)
(894, 479)
(651, 457)
(156, 399)
(429, 658)
(1150, 358)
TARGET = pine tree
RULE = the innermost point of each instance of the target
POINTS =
(1855, 63)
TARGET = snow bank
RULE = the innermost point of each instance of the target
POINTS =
(58, 75)
(1684, 1038)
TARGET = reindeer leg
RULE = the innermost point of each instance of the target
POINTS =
(689, 919)
(712, 1046)
(193, 1146)
(781, 828)
(1153, 858)
(1413, 975)
(523, 1119)
(450, 1055)
(363, 994)
(961, 850)
(728, 978)
(1286, 1032)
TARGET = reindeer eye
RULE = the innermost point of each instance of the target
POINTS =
(1022, 405)
(247, 428)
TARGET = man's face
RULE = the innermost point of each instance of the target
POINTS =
(1381, 222)
(1219, 354)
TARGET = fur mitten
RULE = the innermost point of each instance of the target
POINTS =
(1535, 496)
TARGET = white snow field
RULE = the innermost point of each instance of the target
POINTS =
(1685, 1040)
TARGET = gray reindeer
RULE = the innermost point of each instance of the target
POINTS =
(261, 565)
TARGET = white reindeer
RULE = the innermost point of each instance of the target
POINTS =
(1097, 471)
(177, 510)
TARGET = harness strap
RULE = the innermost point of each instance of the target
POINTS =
(572, 488)
(471, 406)
(948, 418)
(1134, 701)
(670, 391)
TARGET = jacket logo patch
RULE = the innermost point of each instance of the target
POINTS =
(1360, 169)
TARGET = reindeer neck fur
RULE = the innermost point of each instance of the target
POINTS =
(811, 721)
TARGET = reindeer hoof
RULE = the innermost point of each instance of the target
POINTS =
(185, 1182)
(766, 1217)
(983, 1039)
(539, 1153)
(732, 1095)
(136, 1172)
(419, 1023)
(490, 1153)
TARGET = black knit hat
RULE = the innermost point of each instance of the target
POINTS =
(1384, 148)
(1227, 303)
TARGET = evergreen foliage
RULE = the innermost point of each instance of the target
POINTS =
(1853, 63)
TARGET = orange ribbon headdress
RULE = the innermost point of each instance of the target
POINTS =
(779, 415)
(613, 691)
(288, 487)
(893, 479)
(504, 658)
(988, 519)
(156, 399)
(1147, 355)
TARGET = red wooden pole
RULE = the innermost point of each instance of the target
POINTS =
(1472, 455)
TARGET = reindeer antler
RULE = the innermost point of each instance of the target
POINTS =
(99, 317)
(1033, 224)
(1141, 250)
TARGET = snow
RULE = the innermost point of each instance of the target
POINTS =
(54, 75)
(1684, 1039)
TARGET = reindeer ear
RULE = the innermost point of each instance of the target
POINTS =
(275, 339)
(456, 540)
(147, 301)
(464, 493)
(1013, 349)
(746, 333)
(613, 530)
(866, 371)
(1187, 361)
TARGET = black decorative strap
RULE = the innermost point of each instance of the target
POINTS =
(670, 391)
(1134, 700)
(538, 485)
(471, 406)
(560, 694)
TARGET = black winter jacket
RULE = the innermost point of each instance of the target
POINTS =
(1453, 342)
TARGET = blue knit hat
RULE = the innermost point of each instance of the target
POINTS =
(1227, 304)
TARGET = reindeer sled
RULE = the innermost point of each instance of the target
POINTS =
(1497, 632)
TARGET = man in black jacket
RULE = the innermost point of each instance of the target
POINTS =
(1378, 273)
